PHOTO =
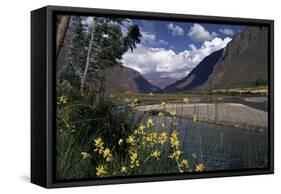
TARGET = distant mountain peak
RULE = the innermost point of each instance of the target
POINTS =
(162, 82)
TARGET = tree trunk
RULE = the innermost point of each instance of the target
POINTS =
(88, 57)
(61, 31)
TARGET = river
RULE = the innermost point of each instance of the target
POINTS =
(222, 147)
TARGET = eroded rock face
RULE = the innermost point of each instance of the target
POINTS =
(243, 62)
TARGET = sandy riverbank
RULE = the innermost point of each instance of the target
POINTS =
(233, 114)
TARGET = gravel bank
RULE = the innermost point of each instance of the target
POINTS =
(233, 114)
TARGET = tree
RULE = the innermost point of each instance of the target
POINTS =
(61, 31)
(76, 57)
(107, 46)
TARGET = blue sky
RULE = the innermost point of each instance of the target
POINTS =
(180, 42)
(173, 49)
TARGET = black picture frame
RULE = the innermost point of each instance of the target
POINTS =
(43, 100)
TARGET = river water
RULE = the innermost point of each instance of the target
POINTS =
(222, 147)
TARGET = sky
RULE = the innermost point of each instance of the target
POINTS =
(173, 49)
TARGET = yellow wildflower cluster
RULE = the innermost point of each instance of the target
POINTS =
(184, 163)
(200, 167)
(124, 169)
(155, 154)
(101, 170)
(62, 100)
(107, 155)
(160, 114)
(85, 155)
(175, 155)
(98, 145)
(174, 141)
(134, 162)
(140, 130)
(133, 103)
(162, 138)
(149, 122)
(145, 144)
(105, 152)
(131, 140)
(151, 138)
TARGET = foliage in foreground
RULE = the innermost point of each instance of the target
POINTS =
(104, 140)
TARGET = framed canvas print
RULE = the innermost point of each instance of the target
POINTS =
(125, 96)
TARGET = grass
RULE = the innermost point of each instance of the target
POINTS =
(103, 139)
(109, 138)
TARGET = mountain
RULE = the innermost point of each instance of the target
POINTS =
(198, 76)
(243, 62)
(121, 79)
(163, 82)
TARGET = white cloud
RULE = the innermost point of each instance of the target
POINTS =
(226, 31)
(147, 37)
(175, 30)
(165, 62)
(163, 42)
(198, 33)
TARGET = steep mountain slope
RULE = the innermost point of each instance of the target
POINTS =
(243, 62)
(121, 79)
(198, 76)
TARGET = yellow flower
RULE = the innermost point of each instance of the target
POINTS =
(101, 170)
(85, 155)
(194, 118)
(124, 169)
(150, 94)
(160, 114)
(163, 104)
(136, 100)
(141, 130)
(107, 155)
(184, 163)
(174, 142)
(132, 105)
(99, 145)
(62, 99)
(173, 112)
(200, 167)
(155, 154)
(134, 162)
(163, 125)
(120, 141)
(162, 137)
(175, 155)
(131, 140)
(149, 122)
(141, 127)
(186, 100)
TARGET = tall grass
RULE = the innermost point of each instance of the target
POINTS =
(101, 139)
